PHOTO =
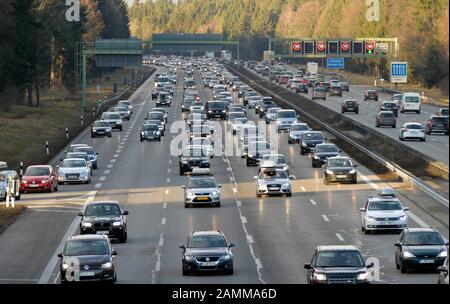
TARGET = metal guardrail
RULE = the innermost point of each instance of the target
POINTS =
(402, 173)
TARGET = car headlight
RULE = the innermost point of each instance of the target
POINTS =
(286, 185)
(117, 224)
(215, 193)
(226, 257)
(443, 254)
(352, 172)
(362, 276)
(107, 265)
(65, 266)
(224, 111)
(330, 172)
(45, 181)
(304, 145)
(408, 254)
(188, 258)
(316, 157)
(403, 218)
(320, 277)
(2, 188)
(371, 218)
(250, 155)
(285, 168)
(189, 193)
(86, 224)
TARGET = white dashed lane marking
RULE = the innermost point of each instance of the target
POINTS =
(313, 202)
(102, 178)
(340, 237)
(325, 218)
(98, 186)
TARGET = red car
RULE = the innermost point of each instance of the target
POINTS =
(39, 178)
(283, 79)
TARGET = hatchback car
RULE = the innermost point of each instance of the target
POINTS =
(437, 124)
(412, 130)
(335, 90)
(340, 264)
(39, 178)
(74, 170)
(271, 115)
(370, 95)
(420, 248)
(389, 106)
(207, 251)
(163, 99)
(93, 156)
(104, 218)
(350, 106)
(319, 93)
(386, 119)
(273, 181)
(201, 189)
(322, 152)
(309, 140)
(87, 258)
(339, 169)
(296, 131)
(114, 120)
(124, 113)
(301, 88)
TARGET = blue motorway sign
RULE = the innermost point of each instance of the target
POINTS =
(399, 72)
(335, 63)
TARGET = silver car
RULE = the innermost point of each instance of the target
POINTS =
(271, 115)
(126, 103)
(5, 177)
(74, 170)
(277, 161)
(201, 189)
(296, 131)
(114, 120)
(319, 93)
(124, 113)
(273, 182)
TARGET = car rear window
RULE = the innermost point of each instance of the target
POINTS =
(439, 120)
(412, 99)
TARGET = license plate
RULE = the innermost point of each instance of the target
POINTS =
(350, 108)
(100, 132)
(274, 188)
(426, 261)
(341, 176)
(87, 274)
(33, 186)
(72, 176)
(102, 232)
(387, 223)
(203, 198)
(209, 264)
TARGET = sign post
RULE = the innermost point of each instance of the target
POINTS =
(399, 72)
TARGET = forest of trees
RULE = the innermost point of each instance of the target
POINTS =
(38, 44)
(420, 25)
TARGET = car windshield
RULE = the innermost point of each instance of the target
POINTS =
(194, 152)
(150, 128)
(271, 174)
(240, 120)
(339, 258)
(278, 159)
(414, 127)
(299, 128)
(254, 146)
(87, 150)
(86, 247)
(206, 241)
(101, 124)
(389, 105)
(111, 116)
(412, 99)
(120, 109)
(439, 120)
(423, 238)
(157, 115)
(201, 183)
(217, 105)
(73, 163)
(312, 136)
(326, 149)
(387, 114)
(98, 210)
(124, 103)
(339, 163)
(385, 205)
(272, 111)
(235, 115)
(286, 114)
(36, 171)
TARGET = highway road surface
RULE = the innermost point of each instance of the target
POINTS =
(274, 236)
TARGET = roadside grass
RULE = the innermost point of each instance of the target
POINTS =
(8, 216)
(24, 130)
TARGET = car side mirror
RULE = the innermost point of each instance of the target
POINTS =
(231, 245)
(356, 166)
(443, 269)
(125, 213)
(370, 265)
(114, 252)
(183, 187)
(340, 151)
(406, 209)
(398, 244)
(219, 186)
(80, 213)
(96, 153)
(57, 166)
(362, 209)
(60, 160)
(59, 255)
(291, 177)
(255, 177)
(183, 247)
(307, 266)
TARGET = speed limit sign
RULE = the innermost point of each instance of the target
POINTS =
(321, 46)
(296, 47)
(345, 46)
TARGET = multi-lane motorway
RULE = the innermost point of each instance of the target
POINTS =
(275, 236)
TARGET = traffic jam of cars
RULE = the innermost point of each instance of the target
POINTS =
(248, 118)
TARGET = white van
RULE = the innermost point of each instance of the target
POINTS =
(411, 103)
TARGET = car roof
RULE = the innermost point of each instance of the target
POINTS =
(102, 202)
(75, 158)
(337, 248)
(197, 233)
(421, 229)
(88, 237)
(40, 166)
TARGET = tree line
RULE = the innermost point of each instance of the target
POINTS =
(39, 44)
(420, 25)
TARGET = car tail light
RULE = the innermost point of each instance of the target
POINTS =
(404, 130)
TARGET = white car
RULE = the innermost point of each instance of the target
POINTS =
(238, 123)
(126, 103)
(205, 143)
(412, 130)
(74, 170)
(383, 212)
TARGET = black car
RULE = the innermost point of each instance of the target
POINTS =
(350, 106)
(156, 91)
(163, 99)
(389, 106)
(301, 88)
(337, 265)
(87, 258)
(265, 105)
(101, 128)
(186, 104)
(309, 140)
(371, 94)
(420, 248)
(437, 124)
(339, 169)
(322, 152)
(248, 94)
(191, 158)
(150, 132)
(216, 109)
(335, 91)
(207, 251)
(106, 217)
